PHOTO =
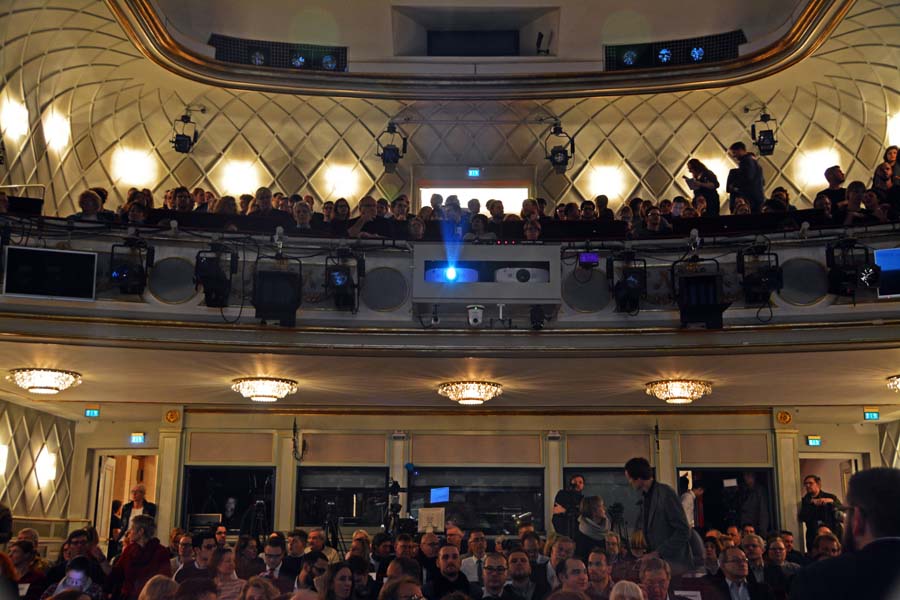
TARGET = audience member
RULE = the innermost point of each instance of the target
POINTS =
(732, 580)
(448, 578)
(401, 588)
(627, 590)
(159, 587)
(593, 525)
(258, 588)
(599, 575)
(247, 560)
(817, 507)
(337, 583)
(703, 183)
(473, 566)
(77, 578)
(835, 190)
(494, 577)
(221, 566)
(572, 576)
(748, 178)
(403, 566)
(31, 581)
(316, 542)
(196, 589)
(204, 543)
(522, 585)
(274, 553)
(141, 559)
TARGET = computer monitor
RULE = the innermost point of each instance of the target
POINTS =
(197, 521)
(889, 283)
(49, 273)
(438, 495)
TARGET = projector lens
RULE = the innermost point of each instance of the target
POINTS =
(451, 274)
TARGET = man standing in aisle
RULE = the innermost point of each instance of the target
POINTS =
(817, 508)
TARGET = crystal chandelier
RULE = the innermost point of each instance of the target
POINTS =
(893, 383)
(470, 392)
(264, 389)
(44, 381)
(679, 391)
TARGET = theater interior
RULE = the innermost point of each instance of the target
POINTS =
(769, 347)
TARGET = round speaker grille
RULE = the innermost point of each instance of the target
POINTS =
(586, 291)
(172, 280)
(384, 289)
(805, 281)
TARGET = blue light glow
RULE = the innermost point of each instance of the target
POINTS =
(629, 58)
(813, 440)
(450, 274)
(665, 55)
(138, 438)
(474, 172)
(871, 415)
(697, 54)
(92, 413)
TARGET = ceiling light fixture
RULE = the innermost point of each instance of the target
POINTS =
(264, 389)
(893, 383)
(44, 381)
(470, 392)
(679, 391)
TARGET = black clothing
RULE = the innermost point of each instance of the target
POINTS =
(439, 586)
(290, 566)
(190, 571)
(836, 196)
(6, 524)
(429, 566)
(747, 180)
(149, 510)
(567, 524)
(795, 557)
(377, 226)
(870, 573)
(754, 508)
(815, 516)
(58, 571)
(719, 588)
(711, 195)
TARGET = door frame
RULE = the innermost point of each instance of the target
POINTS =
(96, 456)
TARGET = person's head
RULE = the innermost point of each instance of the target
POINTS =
(638, 472)
(341, 210)
(747, 529)
(368, 207)
(405, 546)
(531, 545)
(637, 543)
(734, 533)
(337, 583)
(477, 543)
(436, 201)
(78, 543)
(776, 551)
(182, 200)
(598, 567)
(247, 547)
(382, 207)
(696, 167)
(519, 565)
(89, 203)
(872, 509)
(813, 484)
(359, 566)
(655, 575)
(733, 563)
(401, 588)
(159, 587)
(474, 206)
(494, 572)
(613, 544)
(327, 210)
(826, 545)
(495, 207)
(403, 566)
(654, 219)
(221, 534)
(263, 197)
(626, 590)
(834, 176)
(689, 212)
(593, 508)
(572, 574)
(712, 547)
(382, 545)
(204, 543)
(429, 545)
(273, 552)
(313, 564)
(143, 529)
(573, 212)
(197, 588)
(788, 538)
(21, 553)
(448, 561)
(400, 208)
(753, 546)
(737, 150)
(222, 562)
(316, 539)
(532, 230)
(302, 213)
(77, 570)
(588, 210)
(29, 534)
(563, 548)
(259, 588)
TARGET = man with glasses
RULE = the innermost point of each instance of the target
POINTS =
(817, 508)
(428, 551)
(572, 575)
(185, 553)
(204, 543)
(731, 581)
(137, 506)
(473, 566)
(494, 573)
(872, 539)
(78, 546)
(273, 555)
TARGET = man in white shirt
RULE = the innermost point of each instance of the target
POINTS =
(473, 566)
(689, 503)
(316, 541)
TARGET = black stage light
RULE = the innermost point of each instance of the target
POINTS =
(339, 283)
(186, 134)
(390, 153)
(761, 274)
(632, 284)
(277, 290)
(210, 273)
(537, 317)
(560, 154)
(129, 264)
(698, 291)
(762, 132)
(851, 268)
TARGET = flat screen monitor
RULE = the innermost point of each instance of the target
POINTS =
(198, 521)
(46, 273)
(889, 261)
(441, 494)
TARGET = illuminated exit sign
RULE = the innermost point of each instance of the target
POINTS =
(813, 440)
(474, 172)
(871, 413)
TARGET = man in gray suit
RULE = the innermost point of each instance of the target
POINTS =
(662, 518)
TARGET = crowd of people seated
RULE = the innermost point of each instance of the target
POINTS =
(855, 203)
(662, 557)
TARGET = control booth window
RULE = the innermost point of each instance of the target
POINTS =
(489, 499)
(732, 496)
(620, 499)
(351, 495)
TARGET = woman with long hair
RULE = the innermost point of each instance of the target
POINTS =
(337, 583)
(704, 183)
(222, 568)
(259, 588)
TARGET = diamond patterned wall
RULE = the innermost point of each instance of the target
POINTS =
(71, 57)
(26, 432)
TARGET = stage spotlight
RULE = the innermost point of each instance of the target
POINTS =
(210, 273)
(762, 132)
(129, 263)
(698, 291)
(186, 134)
(631, 286)
(277, 289)
(761, 274)
(851, 268)
(560, 154)
(389, 153)
(339, 283)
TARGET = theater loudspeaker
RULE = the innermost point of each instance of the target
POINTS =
(805, 281)
(384, 289)
(586, 291)
(171, 280)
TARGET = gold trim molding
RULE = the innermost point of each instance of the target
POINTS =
(145, 29)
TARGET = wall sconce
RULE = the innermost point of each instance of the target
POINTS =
(45, 467)
(4, 455)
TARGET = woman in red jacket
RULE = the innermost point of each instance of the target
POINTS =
(141, 559)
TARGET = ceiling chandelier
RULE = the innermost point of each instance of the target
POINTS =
(44, 381)
(679, 391)
(264, 389)
(893, 383)
(470, 392)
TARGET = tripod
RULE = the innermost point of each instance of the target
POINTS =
(333, 530)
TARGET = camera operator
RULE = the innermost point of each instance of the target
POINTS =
(566, 506)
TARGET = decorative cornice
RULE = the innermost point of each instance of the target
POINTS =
(143, 25)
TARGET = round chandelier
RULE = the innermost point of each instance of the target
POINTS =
(44, 381)
(679, 391)
(893, 383)
(264, 389)
(470, 392)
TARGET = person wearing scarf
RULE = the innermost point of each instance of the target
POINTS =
(593, 525)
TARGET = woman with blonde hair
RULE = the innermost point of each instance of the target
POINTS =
(259, 588)
(593, 525)
(627, 590)
(159, 587)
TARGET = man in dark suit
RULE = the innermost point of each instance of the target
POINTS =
(732, 583)
(137, 506)
(662, 518)
(868, 569)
